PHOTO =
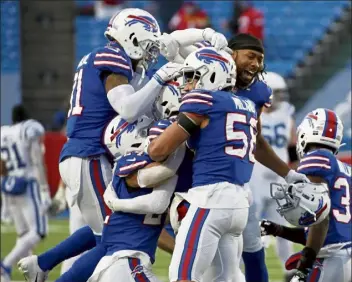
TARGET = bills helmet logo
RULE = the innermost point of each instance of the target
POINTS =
(209, 56)
(148, 23)
(308, 218)
(137, 270)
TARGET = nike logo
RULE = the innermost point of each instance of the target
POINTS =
(131, 160)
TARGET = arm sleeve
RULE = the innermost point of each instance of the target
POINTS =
(155, 202)
(154, 175)
(184, 51)
(188, 36)
(197, 101)
(131, 104)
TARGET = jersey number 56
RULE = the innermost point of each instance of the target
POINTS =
(235, 134)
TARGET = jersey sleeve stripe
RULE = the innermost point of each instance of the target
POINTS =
(156, 130)
(99, 63)
(195, 94)
(133, 166)
(188, 101)
(313, 165)
(107, 55)
(315, 158)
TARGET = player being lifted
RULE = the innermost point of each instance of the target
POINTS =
(24, 183)
(327, 252)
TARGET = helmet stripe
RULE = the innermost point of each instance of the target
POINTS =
(330, 127)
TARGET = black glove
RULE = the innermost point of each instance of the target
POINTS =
(300, 276)
(269, 228)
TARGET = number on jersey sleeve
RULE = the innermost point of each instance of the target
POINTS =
(233, 133)
(109, 60)
(342, 184)
(75, 101)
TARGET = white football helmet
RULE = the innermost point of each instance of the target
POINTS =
(321, 126)
(169, 100)
(137, 31)
(121, 137)
(302, 204)
(278, 84)
(215, 70)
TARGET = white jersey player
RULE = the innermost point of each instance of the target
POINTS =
(24, 184)
(278, 128)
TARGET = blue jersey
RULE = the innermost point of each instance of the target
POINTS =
(259, 92)
(224, 149)
(128, 231)
(324, 164)
(90, 109)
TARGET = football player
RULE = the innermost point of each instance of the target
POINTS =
(24, 183)
(218, 203)
(327, 252)
(141, 212)
(102, 84)
(279, 130)
(248, 53)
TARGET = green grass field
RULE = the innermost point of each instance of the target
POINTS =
(59, 231)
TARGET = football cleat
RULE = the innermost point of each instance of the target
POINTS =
(31, 270)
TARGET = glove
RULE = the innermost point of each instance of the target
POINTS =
(269, 228)
(167, 72)
(218, 40)
(293, 177)
(168, 46)
(110, 196)
(299, 276)
(58, 203)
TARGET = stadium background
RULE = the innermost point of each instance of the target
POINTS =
(308, 42)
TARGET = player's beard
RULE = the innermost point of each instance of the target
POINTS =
(244, 78)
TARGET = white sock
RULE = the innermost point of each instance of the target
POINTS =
(22, 248)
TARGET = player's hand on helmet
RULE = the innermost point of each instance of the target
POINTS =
(167, 72)
(168, 46)
(269, 228)
(110, 196)
(218, 40)
(300, 276)
(293, 177)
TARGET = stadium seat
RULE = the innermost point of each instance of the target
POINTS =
(292, 28)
